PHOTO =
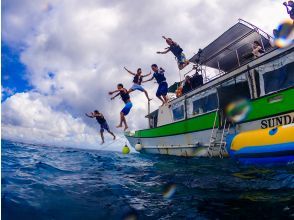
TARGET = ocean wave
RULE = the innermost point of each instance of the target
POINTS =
(59, 183)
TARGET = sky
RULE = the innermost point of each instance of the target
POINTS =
(60, 58)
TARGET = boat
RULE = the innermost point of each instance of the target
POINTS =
(257, 90)
(263, 146)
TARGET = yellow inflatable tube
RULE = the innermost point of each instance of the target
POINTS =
(262, 137)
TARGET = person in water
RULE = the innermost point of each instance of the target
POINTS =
(103, 123)
(138, 78)
(289, 5)
(158, 75)
(177, 51)
(128, 104)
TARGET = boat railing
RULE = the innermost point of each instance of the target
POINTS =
(239, 57)
(259, 30)
(235, 56)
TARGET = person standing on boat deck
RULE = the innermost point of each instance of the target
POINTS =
(103, 123)
(138, 78)
(197, 80)
(290, 11)
(124, 94)
(158, 75)
(177, 51)
(257, 49)
(188, 85)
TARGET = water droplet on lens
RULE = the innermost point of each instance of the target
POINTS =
(130, 215)
(169, 190)
(238, 111)
(284, 34)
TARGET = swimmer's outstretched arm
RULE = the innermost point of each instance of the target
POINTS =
(114, 96)
(129, 71)
(286, 5)
(147, 74)
(117, 90)
(90, 116)
(164, 52)
(166, 49)
(148, 79)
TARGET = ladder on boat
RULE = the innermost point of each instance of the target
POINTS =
(217, 142)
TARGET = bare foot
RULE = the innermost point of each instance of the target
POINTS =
(126, 128)
(114, 137)
(119, 126)
(102, 142)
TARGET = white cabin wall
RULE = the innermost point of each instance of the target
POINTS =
(164, 115)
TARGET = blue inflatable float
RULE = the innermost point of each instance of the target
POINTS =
(274, 145)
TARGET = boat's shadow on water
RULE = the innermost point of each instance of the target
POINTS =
(55, 183)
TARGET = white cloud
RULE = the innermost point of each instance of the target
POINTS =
(6, 91)
(28, 117)
(86, 44)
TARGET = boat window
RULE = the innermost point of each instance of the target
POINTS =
(277, 74)
(233, 89)
(178, 110)
(153, 117)
(153, 122)
(202, 103)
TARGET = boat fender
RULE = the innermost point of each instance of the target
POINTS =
(138, 146)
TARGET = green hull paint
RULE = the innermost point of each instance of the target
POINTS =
(261, 108)
(191, 125)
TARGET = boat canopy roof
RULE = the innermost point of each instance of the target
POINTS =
(228, 50)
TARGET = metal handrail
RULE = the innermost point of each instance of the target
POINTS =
(246, 22)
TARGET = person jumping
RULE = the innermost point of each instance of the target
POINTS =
(103, 123)
(289, 5)
(162, 84)
(128, 104)
(138, 78)
(177, 51)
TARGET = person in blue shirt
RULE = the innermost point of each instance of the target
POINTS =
(124, 94)
(158, 75)
(177, 51)
(103, 123)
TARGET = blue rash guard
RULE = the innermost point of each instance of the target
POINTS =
(162, 85)
(159, 76)
(126, 99)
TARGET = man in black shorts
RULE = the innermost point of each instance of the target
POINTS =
(103, 123)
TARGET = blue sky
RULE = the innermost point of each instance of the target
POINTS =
(13, 71)
(60, 58)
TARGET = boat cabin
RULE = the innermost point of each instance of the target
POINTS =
(230, 71)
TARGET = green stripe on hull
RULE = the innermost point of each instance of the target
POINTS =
(265, 107)
(261, 108)
(191, 125)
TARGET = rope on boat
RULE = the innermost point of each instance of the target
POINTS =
(108, 144)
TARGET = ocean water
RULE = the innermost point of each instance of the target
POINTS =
(59, 183)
